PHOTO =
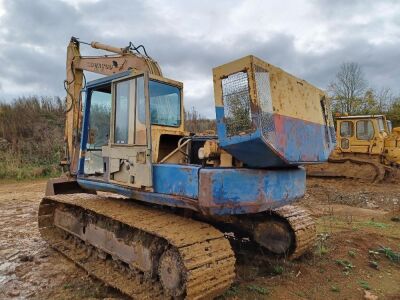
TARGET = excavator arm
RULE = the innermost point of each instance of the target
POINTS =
(121, 59)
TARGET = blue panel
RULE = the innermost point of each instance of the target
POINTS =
(291, 142)
(85, 129)
(149, 197)
(239, 191)
(301, 141)
(181, 180)
(222, 191)
(254, 152)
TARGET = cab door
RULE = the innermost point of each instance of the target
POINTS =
(345, 135)
(129, 153)
(366, 131)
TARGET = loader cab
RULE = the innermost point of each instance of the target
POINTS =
(361, 134)
(127, 118)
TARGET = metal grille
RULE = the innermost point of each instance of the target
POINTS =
(236, 97)
(265, 119)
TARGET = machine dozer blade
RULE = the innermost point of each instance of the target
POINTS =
(353, 168)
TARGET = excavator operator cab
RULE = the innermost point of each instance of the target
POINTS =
(125, 116)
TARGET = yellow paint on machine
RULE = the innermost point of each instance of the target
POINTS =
(291, 96)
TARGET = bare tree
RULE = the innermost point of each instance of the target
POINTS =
(348, 88)
(195, 122)
(384, 98)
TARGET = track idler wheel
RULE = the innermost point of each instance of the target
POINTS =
(172, 273)
(275, 235)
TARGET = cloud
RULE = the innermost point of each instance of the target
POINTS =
(309, 39)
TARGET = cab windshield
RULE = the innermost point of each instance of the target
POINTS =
(165, 104)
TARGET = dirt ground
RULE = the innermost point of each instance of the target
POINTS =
(355, 221)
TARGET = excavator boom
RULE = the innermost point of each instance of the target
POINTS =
(121, 59)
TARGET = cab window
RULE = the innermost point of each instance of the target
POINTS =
(346, 129)
(99, 120)
(365, 130)
(165, 104)
(381, 125)
(122, 112)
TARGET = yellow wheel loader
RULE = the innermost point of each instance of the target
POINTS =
(367, 148)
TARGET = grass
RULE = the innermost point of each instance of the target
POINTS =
(67, 286)
(364, 285)
(233, 291)
(278, 270)
(352, 253)
(26, 171)
(322, 250)
(376, 224)
(335, 289)
(347, 266)
(390, 254)
(380, 227)
(258, 289)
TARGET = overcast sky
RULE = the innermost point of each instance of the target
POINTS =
(309, 39)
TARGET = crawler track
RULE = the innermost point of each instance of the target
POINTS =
(303, 228)
(178, 247)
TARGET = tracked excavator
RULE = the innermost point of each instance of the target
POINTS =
(368, 149)
(158, 212)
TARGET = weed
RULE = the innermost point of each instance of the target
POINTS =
(373, 264)
(352, 253)
(373, 253)
(68, 285)
(233, 291)
(278, 270)
(335, 289)
(389, 253)
(347, 266)
(376, 224)
(345, 263)
(258, 289)
(322, 250)
(364, 284)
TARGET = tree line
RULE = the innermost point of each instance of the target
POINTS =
(351, 94)
(31, 137)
